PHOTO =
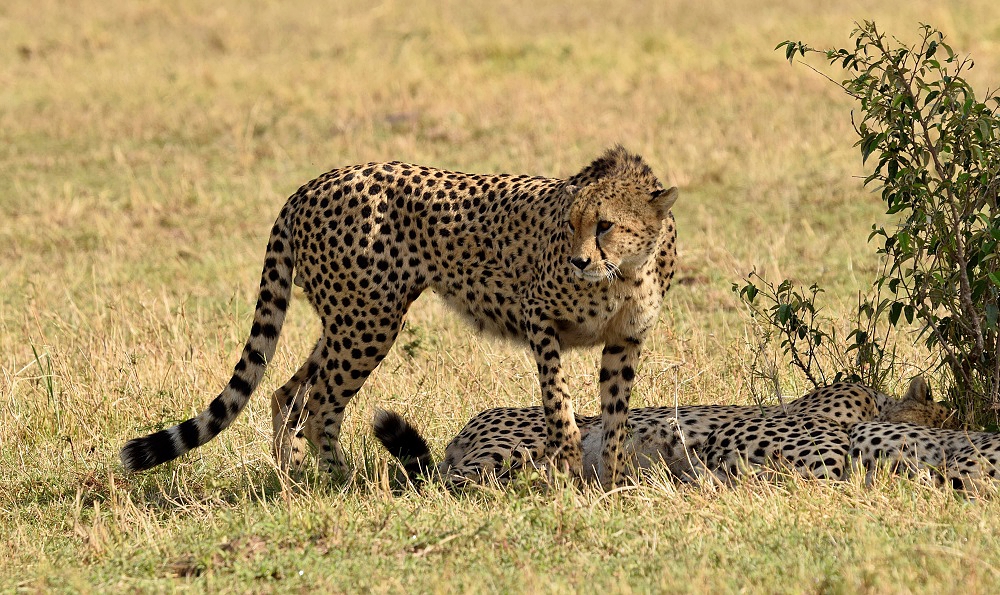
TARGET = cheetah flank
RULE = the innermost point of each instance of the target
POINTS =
(965, 460)
(812, 440)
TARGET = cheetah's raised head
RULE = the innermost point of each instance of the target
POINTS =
(616, 227)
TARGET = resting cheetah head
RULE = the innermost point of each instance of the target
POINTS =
(615, 227)
(919, 407)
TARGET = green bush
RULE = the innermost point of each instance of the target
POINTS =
(932, 149)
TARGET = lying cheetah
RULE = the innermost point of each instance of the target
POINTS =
(965, 460)
(497, 442)
(554, 264)
(814, 441)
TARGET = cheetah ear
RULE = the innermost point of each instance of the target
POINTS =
(572, 190)
(919, 391)
(662, 200)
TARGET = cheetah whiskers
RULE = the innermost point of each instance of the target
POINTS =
(611, 271)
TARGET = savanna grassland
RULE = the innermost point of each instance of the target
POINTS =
(145, 149)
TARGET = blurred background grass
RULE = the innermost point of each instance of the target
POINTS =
(145, 149)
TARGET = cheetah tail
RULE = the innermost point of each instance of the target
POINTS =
(272, 302)
(404, 442)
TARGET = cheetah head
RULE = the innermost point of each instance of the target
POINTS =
(919, 407)
(615, 227)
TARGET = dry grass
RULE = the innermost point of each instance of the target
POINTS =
(146, 149)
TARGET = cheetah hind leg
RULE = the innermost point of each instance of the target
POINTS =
(344, 370)
(289, 417)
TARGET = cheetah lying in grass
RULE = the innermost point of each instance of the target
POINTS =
(498, 442)
(965, 460)
(813, 442)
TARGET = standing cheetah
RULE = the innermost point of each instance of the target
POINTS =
(553, 264)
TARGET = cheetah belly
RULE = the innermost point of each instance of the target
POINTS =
(490, 310)
(642, 451)
(591, 441)
(499, 309)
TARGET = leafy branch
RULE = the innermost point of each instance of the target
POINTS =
(938, 169)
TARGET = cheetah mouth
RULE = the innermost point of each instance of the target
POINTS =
(588, 275)
(606, 273)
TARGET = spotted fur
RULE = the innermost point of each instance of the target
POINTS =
(498, 442)
(814, 438)
(965, 460)
(551, 263)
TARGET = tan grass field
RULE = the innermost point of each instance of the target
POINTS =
(145, 149)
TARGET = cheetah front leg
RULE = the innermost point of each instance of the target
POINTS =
(618, 362)
(563, 450)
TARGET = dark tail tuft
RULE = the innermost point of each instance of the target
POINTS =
(404, 442)
(147, 452)
(272, 303)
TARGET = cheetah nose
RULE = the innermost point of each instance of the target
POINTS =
(580, 263)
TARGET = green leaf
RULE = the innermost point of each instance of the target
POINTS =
(947, 48)
(784, 313)
(868, 145)
(904, 241)
(894, 312)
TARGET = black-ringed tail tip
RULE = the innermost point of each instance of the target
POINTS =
(272, 302)
(404, 442)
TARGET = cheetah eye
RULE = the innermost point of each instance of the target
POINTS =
(604, 226)
(570, 225)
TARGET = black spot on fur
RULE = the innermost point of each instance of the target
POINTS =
(218, 407)
(239, 385)
(189, 434)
